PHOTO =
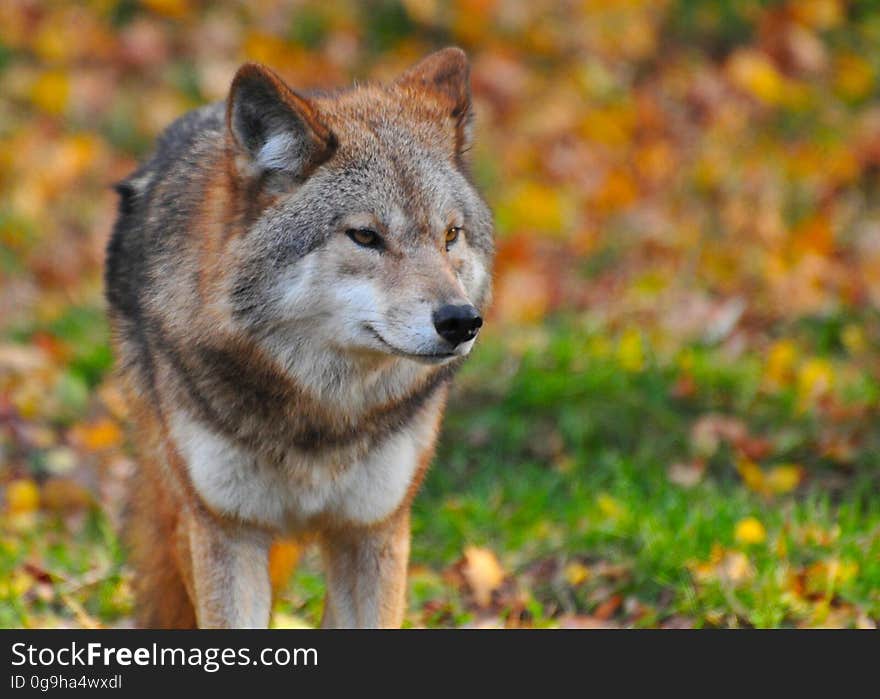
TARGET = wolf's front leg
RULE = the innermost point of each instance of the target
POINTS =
(229, 573)
(366, 574)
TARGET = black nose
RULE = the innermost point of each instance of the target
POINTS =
(457, 324)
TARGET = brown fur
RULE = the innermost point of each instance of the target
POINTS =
(157, 552)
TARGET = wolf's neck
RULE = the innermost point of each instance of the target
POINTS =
(350, 383)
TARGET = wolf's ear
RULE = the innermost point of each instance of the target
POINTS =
(272, 127)
(444, 78)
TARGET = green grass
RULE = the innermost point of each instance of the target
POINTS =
(555, 452)
(567, 456)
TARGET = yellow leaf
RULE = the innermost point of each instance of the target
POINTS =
(423, 11)
(853, 338)
(22, 496)
(612, 126)
(781, 547)
(779, 367)
(750, 531)
(20, 582)
(630, 350)
(784, 478)
(751, 474)
(815, 379)
(534, 206)
(610, 507)
(52, 43)
(483, 573)
(853, 76)
(753, 72)
(50, 92)
(576, 573)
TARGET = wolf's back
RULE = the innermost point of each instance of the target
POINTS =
(148, 210)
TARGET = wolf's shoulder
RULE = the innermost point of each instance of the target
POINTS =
(175, 144)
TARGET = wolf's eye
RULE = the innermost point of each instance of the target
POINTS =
(364, 237)
(452, 234)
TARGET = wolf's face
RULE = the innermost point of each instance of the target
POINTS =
(374, 242)
(403, 265)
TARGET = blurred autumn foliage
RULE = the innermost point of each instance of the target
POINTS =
(689, 184)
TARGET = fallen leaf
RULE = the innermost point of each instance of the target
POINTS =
(483, 573)
(825, 577)
(815, 380)
(283, 558)
(607, 609)
(576, 573)
(750, 531)
(710, 430)
(751, 474)
(686, 474)
(631, 351)
(22, 496)
(784, 478)
(610, 506)
(732, 567)
(65, 495)
(104, 434)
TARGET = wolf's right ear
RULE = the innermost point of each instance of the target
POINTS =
(273, 128)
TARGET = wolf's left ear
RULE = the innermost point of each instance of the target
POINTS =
(444, 79)
(272, 127)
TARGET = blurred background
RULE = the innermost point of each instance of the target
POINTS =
(671, 418)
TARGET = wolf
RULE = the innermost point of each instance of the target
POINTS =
(293, 280)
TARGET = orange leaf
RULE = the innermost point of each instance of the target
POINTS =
(283, 557)
(103, 434)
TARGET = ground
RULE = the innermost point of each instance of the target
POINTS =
(580, 482)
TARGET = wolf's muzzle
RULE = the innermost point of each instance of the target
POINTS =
(457, 324)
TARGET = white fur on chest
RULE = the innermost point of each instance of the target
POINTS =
(241, 484)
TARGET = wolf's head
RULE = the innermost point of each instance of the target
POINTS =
(364, 234)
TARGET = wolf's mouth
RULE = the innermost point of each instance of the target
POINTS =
(429, 358)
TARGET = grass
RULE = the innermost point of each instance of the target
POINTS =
(569, 457)
(555, 455)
